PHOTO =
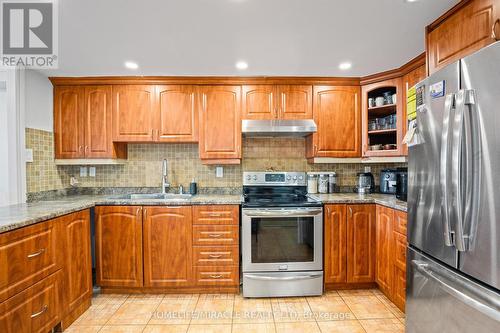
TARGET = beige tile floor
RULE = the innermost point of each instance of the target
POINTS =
(350, 311)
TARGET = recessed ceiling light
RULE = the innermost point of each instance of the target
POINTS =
(411, 0)
(131, 65)
(345, 66)
(241, 65)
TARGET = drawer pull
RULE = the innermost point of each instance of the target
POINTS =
(215, 255)
(36, 254)
(215, 235)
(216, 276)
(36, 314)
(214, 214)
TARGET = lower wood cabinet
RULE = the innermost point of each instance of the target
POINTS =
(118, 233)
(168, 247)
(349, 243)
(384, 269)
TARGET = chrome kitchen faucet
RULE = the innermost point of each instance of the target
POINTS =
(164, 178)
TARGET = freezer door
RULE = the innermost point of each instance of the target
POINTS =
(440, 300)
(427, 227)
(480, 232)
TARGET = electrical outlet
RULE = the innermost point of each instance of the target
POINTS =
(219, 172)
(91, 171)
(83, 171)
(29, 155)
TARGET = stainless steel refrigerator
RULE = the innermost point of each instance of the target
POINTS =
(453, 262)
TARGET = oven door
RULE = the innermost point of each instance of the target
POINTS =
(282, 239)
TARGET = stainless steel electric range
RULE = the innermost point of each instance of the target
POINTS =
(282, 236)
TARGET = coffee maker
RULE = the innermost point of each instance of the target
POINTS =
(366, 182)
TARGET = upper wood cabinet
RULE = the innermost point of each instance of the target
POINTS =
(167, 246)
(361, 243)
(118, 232)
(134, 113)
(259, 102)
(262, 102)
(68, 127)
(177, 114)
(338, 117)
(384, 269)
(382, 124)
(460, 32)
(409, 80)
(335, 244)
(220, 124)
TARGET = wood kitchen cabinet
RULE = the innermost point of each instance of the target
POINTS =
(134, 113)
(82, 123)
(118, 233)
(337, 114)
(461, 31)
(335, 243)
(220, 124)
(384, 248)
(168, 247)
(177, 113)
(77, 260)
(399, 244)
(360, 243)
(265, 102)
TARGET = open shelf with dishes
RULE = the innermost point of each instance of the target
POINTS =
(382, 118)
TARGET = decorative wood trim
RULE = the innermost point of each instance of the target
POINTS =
(221, 161)
(446, 15)
(349, 286)
(204, 80)
(395, 73)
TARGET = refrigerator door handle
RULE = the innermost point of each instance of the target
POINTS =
(463, 167)
(444, 168)
(476, 299)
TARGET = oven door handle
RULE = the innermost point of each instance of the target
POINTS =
(279, 213)
(283, 278)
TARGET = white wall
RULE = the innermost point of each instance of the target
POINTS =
(39, 100)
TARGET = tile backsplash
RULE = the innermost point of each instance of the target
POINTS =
(143, 167)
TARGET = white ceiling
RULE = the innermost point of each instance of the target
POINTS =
(207, 37)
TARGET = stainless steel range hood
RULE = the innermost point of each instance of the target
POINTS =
(278, 127)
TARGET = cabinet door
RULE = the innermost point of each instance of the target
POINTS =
(97, 122)
(409, 80)
(335, 243)
(361, 243)
(220, 124)
(384, 245)
(167, 246)
(259, 102)
(118, 232)
(178, 114)
(399, 270)
(68, 122)
(295, 102)
(464, 32)
(77, 259)
(134, 113)
(338, 117)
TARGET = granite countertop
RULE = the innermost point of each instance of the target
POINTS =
(17, 216)
(377, 198)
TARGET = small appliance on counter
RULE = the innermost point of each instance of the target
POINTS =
(402, 184)
(366, 182)
(321, 182)
(388, 181)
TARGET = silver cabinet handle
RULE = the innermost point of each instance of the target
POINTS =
(216, 276)
(282, 212)
(214, 214)
(283, 278)
(36, 254)
(36, 314)
(215, 256)
(214, 235)
(493, 30)
(444, 166)
(477, 299)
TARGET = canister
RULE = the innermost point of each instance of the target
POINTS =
(312, 184)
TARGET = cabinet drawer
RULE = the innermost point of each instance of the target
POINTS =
(400, 220)
(27, 255)
(216, 214)
(215, 235)
(217, 276)
(36, 309)
(216, 256)
(400, 250)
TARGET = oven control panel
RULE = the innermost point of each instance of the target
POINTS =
(274, 178)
